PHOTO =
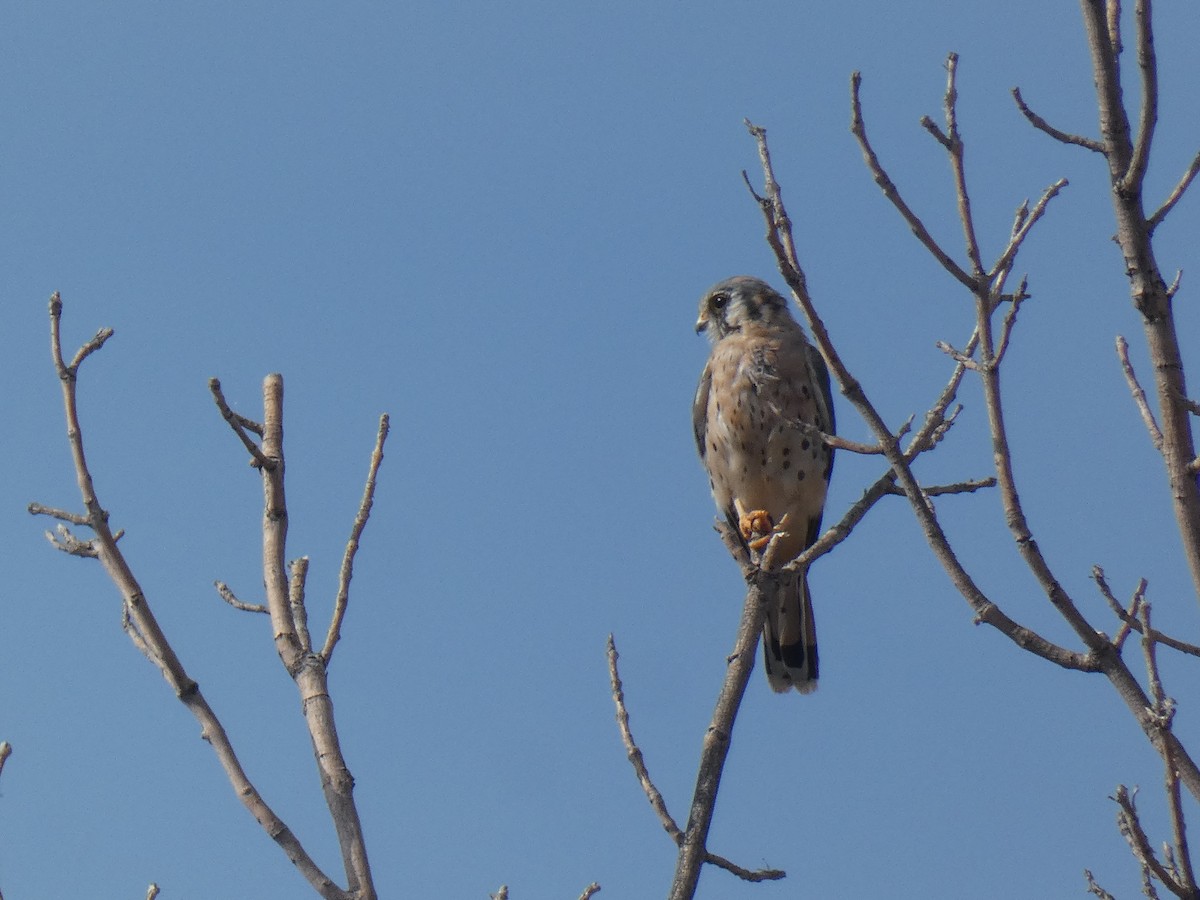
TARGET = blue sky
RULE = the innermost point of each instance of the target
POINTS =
(494, 222)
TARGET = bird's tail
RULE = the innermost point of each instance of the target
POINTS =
(790, 640)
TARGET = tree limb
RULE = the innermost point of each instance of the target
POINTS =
(360, 522)
(652, 793)
(1042, 125)
(143, 627)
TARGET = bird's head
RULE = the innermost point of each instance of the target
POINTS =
(733, 303)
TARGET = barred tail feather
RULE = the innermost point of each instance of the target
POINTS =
(790, 641)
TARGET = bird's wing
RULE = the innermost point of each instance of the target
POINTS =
(828, 422)
(700, 408)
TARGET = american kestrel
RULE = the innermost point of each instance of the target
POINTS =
(768, 474)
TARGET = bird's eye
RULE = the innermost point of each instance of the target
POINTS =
(720, 300)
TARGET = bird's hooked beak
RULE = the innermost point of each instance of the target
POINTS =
(702, 323)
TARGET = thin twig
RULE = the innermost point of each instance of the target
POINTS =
(955, 148)
(957, 355)
(1131, 829)
(1182, 853)
(1106, 592)
(959, 487)
(634, 753)
(1094, 888)
(937, 422)
(226, 593)
(99, 340)
(752, 875)
(832, 440)
(1174, 285)
(1136, 172)
(1176, 194)
(859, 129)
(1139, 395)
(130, 627)
(1004, 263)
(1042, 125)
(590, 890)
(360, 522)
(62, 539)
(999, 275)
(74, 518)
(240, 424)
(1163, 706)
(1010, 320)
(1178, 857)
(1129, 617)
(152, 891)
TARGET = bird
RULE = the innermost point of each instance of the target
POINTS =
(761, 388)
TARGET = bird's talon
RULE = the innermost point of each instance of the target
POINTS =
(756, 527)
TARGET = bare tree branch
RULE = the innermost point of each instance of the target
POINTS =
(634, 753)
(1094, 888)
(1135, 174)
(1010, 321)
(952, 141)
(226, 593)
(763, 588)
(957, 355)
(360, 522)
(144, 629)
(1113, 24)
(307, 669)
(1178, 865)
(859, 129)
(239, 424)
(1151, 295)
(37, 509)
(1175, 196)
(1042, 125)
(779, 238)
(1130, 617)
(296, 584)
(1139, 395)
(959, 487)
(1131, 829)
(1003, 265)
(62, 539)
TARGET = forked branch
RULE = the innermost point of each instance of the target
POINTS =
(779, 238)
(637, 760)
(144, 629)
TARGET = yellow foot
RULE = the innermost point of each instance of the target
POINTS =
(757, 528)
